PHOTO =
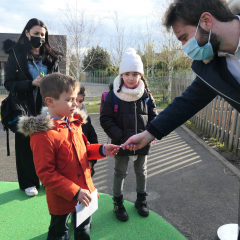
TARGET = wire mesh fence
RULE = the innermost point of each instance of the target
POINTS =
(97, 82)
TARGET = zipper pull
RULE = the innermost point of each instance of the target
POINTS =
(69, 127)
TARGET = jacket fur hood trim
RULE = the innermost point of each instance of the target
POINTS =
(42, 123)
(127, 94)
(234, 6)
(81, 113)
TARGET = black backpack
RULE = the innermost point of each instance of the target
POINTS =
(11, 110)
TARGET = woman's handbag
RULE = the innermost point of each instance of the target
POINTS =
(11, 110)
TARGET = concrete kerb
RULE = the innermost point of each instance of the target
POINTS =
(223, 160)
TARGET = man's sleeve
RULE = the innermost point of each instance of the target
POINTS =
(193, 99)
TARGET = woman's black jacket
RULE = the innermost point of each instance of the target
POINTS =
(126, 124)
(18, 80)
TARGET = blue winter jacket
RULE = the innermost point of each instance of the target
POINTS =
(212, 79)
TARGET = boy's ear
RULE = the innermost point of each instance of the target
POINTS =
(49, 101)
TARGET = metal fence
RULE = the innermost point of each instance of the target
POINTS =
(218, 119)
(94, 82)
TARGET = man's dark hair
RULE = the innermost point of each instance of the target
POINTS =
(190, 11)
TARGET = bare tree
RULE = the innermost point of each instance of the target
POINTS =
(83, 30)
(169, 48)
(121, 38)
(147, 46)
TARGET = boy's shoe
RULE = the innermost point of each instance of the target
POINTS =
(119, 209)
(141, 204)
(31, 191)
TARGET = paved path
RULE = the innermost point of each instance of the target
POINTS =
(187, 186)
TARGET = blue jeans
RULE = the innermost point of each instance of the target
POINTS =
(140, 168)
(58, 228)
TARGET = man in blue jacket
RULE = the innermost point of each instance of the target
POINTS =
(210, 34)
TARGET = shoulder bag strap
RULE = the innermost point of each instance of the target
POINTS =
(19, 64)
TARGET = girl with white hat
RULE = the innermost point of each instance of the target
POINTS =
(127, 110)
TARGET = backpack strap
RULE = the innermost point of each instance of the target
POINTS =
(148, 100)
(115, 103)
(7, 135)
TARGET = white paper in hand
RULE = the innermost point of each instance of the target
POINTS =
(83, 212)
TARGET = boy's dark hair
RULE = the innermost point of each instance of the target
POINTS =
(82, 90)
(142, 78)
(53, 85)
(190, 11)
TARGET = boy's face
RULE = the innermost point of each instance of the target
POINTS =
(65, 106)
(131, 78)
(80, 99)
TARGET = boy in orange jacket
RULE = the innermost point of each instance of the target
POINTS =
(61, 153)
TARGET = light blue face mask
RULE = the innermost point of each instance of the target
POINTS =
(194, 51)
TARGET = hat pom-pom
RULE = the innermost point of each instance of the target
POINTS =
(131, 50)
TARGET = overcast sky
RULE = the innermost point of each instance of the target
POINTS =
(14, 14)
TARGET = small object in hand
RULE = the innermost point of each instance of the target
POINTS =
(41, 74)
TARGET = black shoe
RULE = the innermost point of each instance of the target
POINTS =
(119, 209)
(141, 204)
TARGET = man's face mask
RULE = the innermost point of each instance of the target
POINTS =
(194, 51)
(37, 42)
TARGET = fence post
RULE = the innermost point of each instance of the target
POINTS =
(236, 139)
(213, 118)
(216, 119)
(233, 128)
(228, 126)
(220, 119)
(209, 118)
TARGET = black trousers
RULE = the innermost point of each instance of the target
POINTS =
(58, 228)
(26, 172)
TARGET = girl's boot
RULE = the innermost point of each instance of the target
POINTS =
(141, 204)
(119, 209)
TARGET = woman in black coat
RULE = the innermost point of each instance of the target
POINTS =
(28, 58)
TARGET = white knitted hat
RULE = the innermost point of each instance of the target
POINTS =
(131, 62)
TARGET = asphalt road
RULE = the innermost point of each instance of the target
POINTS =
(187, 186)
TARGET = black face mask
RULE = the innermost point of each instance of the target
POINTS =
(37, 42)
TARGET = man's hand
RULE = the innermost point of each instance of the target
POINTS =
(111, 150)
(138, 141)
(84, 197)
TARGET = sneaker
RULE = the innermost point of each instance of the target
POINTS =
(31, 191)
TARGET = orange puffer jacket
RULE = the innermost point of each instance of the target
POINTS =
(61, 153)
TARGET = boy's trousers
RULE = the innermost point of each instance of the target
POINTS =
(140, 168)
(58, 228)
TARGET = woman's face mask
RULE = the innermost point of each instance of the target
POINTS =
(36, 36)
(37, 42)
(194, 51)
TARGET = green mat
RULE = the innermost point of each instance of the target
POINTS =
(26, 218)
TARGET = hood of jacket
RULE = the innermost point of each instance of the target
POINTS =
(127, 94)
(234, 6)
(42, 123)
(8, 44)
